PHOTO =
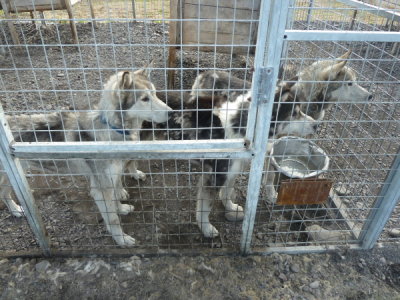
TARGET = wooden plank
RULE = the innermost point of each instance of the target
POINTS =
(241, 4)
(212, 12)
(222, 49)
(216, 28)
(39, 5)
(15, 6)
(206, 38)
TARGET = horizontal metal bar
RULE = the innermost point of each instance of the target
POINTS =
(379, 11)
(133, 150)
(333, 35)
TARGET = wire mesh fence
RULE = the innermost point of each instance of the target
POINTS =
(195, 95)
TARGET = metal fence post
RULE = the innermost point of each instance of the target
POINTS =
(383, 207)
(273, 16)
(16, 176)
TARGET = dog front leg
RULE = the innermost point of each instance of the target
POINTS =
(134, 172)
(233, 212)
(108, 206)
(268, 182)
(205, 195)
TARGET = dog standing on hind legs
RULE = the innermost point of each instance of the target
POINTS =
(219, 117)
(128, 99)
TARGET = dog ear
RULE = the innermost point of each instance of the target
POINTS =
(146, 70)
(333, 70)
(126, 81)
(345, 56)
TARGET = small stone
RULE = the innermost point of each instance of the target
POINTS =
(383, 260)
(42, 266)
(60, 75)
(282, 277)
(124, 284)
(314, 285)
(259, 236)
(394, 232)
(295, 268)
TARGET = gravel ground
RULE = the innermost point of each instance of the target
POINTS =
(342, 275)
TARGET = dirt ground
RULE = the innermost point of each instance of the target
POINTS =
(353, 275)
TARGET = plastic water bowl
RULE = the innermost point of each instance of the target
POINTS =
(297, 157)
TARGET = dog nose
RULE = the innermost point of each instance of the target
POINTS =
(315, 127)
(370, 97)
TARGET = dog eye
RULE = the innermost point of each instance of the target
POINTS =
(146, 99)
(350, 84)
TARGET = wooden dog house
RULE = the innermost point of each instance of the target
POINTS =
(208, 25)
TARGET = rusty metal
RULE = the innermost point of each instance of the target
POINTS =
(304, 191)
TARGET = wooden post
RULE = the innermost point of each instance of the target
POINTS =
(13, 31)
(174, 38)
(92, 14)
(71, 21)
(353, 19)
(134, 10)
(41, 15)
(32, 17)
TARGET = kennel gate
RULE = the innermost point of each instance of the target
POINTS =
(278, 30)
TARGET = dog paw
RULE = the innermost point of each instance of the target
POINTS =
(139, 175)
(125, 240)
(271, 195)
(235, 214)
(125, 209)
(17, 211)
(208, 230)
(122, 194)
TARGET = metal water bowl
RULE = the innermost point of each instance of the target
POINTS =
(297, 157)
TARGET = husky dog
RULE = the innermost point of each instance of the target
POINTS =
(217, 117)
(325, 82)
(317, 87)
(127, 100)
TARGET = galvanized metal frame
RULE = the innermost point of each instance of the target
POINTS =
(16, 176)
(272, 25)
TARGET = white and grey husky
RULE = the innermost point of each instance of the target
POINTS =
(127, 100)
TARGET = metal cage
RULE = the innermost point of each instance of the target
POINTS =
(266, 43)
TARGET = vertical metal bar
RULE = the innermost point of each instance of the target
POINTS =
(383, 207)
(289, 24)
(16, 176)
(273, 16)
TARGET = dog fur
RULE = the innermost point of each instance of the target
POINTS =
(217, 117)
(319, 86)
(127, 100)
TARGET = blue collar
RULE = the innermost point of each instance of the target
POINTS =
(116, 129)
